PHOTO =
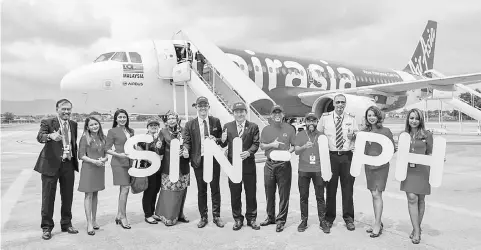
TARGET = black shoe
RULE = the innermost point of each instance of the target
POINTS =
(70, 230)
(267, 222)
(325, 227)
(183, 220)
(303, 226)
(218, 222)
(203, 222)
(253, 225)
(156, 217)
(237, 225)
(47, 234)
(280, 227)
(350, 226)
(329, 224)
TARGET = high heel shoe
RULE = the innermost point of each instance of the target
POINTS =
(117, 221)
(373, 235)
(416, 241)
(123, 226)
(90, 232)
(412, 233)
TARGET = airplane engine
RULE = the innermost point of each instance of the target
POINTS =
(355, 105)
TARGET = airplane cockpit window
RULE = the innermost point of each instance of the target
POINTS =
(104, 57)
(135, 57)
(120, 57)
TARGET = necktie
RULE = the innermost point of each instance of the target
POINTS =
(67, 137)
(240, 129)
(206, 130)
(339, 139)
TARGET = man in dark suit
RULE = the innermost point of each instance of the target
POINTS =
(200, 63)
(195, 133)
(58, 162)
(249, 133)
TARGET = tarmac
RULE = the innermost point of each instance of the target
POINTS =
(452, 219)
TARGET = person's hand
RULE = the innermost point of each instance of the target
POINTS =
(244, 155)
(56, 136)
(224, 135)
(98, 163)
(123, 155)
(185, 153)
(308, 144)
(350, 135)
(212, 137)
(104, 159)
(276, 143)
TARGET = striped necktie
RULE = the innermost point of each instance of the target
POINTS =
(339, 139)
(240, 129)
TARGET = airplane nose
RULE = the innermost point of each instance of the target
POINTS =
(91, 77)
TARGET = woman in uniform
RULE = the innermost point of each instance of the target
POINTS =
(376, 176)
(416, 185)
(120, 163)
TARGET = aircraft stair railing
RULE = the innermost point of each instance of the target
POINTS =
(236, 79)
(222, 88)
(464, 106)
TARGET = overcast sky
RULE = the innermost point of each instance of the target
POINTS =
(42, 40)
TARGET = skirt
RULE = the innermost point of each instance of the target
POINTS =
(92, 178)
(376, 177)
(417, 180)
(121, 175)
(170, 204)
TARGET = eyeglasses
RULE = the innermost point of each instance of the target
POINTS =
(203, 106)
(340, 102)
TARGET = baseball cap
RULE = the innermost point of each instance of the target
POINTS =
(277, 108)
(239, 106)
(311, 115)
(202, 99)
(152, 121)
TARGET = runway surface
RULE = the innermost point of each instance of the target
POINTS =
(452, 219)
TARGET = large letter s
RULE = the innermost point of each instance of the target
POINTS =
(142, 155)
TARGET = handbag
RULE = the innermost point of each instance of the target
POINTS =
(138, 184)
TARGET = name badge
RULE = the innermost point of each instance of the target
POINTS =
(312, 159)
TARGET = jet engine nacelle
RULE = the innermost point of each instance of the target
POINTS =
(355, 105)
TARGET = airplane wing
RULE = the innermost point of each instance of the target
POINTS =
(398, 88)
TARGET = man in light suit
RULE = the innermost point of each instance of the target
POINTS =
(249, 133)
(58, 162)
(195, 133)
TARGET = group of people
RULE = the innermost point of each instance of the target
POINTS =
(163, 201)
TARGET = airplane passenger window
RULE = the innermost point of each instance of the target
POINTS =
(104, 57)
(135, 57)
(120, 57)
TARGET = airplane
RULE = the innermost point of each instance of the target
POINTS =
(141, 79)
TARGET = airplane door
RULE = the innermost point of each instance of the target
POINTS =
(166, 58)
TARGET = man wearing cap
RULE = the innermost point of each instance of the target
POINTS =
(340, 128)
(278, 136)
(310, 168)
(195, 133)
(249, 133)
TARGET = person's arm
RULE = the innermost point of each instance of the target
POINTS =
(43, 136)
(292, 140)
(429, 144)
(224, 144)
(299, 144)
(391, 137)
(255, 141)
(187, 137)
(320, 125)
(109, 143)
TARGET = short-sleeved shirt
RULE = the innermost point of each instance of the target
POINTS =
(309, 158)
(285, 134)
(327, 126)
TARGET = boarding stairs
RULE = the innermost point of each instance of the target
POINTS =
(226, 85)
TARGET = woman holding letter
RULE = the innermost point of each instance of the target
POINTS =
(170, 206)
(376, 176)
(92, 174)
(416, 185)
(120, 163)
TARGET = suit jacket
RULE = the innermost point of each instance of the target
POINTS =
(192, 140)
(50, 159)
(250, 143)
(117, 138)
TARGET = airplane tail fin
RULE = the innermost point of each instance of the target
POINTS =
(423, 57)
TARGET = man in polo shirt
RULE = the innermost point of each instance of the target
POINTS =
(340, 128)
(277, 136)
(310, 168)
